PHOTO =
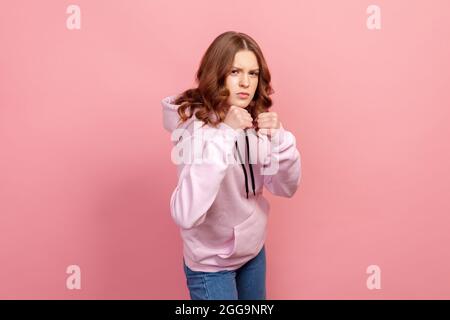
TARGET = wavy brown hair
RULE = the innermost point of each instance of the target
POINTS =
(210, 97)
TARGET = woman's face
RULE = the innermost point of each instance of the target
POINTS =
(243, 78)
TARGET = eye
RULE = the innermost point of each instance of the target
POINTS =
(234, 71)
(254, 73)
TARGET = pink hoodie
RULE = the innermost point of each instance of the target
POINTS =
(222, 224)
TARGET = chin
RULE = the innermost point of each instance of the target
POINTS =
(240, 103)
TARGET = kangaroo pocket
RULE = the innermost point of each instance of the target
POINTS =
(248, 235)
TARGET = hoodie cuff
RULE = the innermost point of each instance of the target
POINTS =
(229, 136)
(278, 138)
(229, 132)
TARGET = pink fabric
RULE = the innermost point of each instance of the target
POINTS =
(221, 228)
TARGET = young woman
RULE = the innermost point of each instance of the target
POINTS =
(222, 223)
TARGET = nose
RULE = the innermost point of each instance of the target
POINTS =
(243, 82)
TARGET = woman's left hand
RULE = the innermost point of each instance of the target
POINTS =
(268, 123)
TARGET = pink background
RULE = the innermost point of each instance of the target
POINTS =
(85, 170)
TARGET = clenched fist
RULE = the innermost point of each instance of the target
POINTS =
(268, 123)
(238, 118)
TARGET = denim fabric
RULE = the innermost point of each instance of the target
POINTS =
(246, 283)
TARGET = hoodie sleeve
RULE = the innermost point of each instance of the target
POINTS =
(284, 173)
(199, 183)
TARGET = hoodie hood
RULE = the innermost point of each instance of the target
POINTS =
(170, 115)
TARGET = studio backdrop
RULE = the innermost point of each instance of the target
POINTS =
(86, 173)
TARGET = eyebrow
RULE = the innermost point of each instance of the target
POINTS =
(257, 69)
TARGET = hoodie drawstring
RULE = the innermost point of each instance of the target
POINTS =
(249, 164)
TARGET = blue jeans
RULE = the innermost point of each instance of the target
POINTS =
(245, 283)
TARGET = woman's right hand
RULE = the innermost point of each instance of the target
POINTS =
(238, 118)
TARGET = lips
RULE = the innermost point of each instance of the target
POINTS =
(243, 95)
